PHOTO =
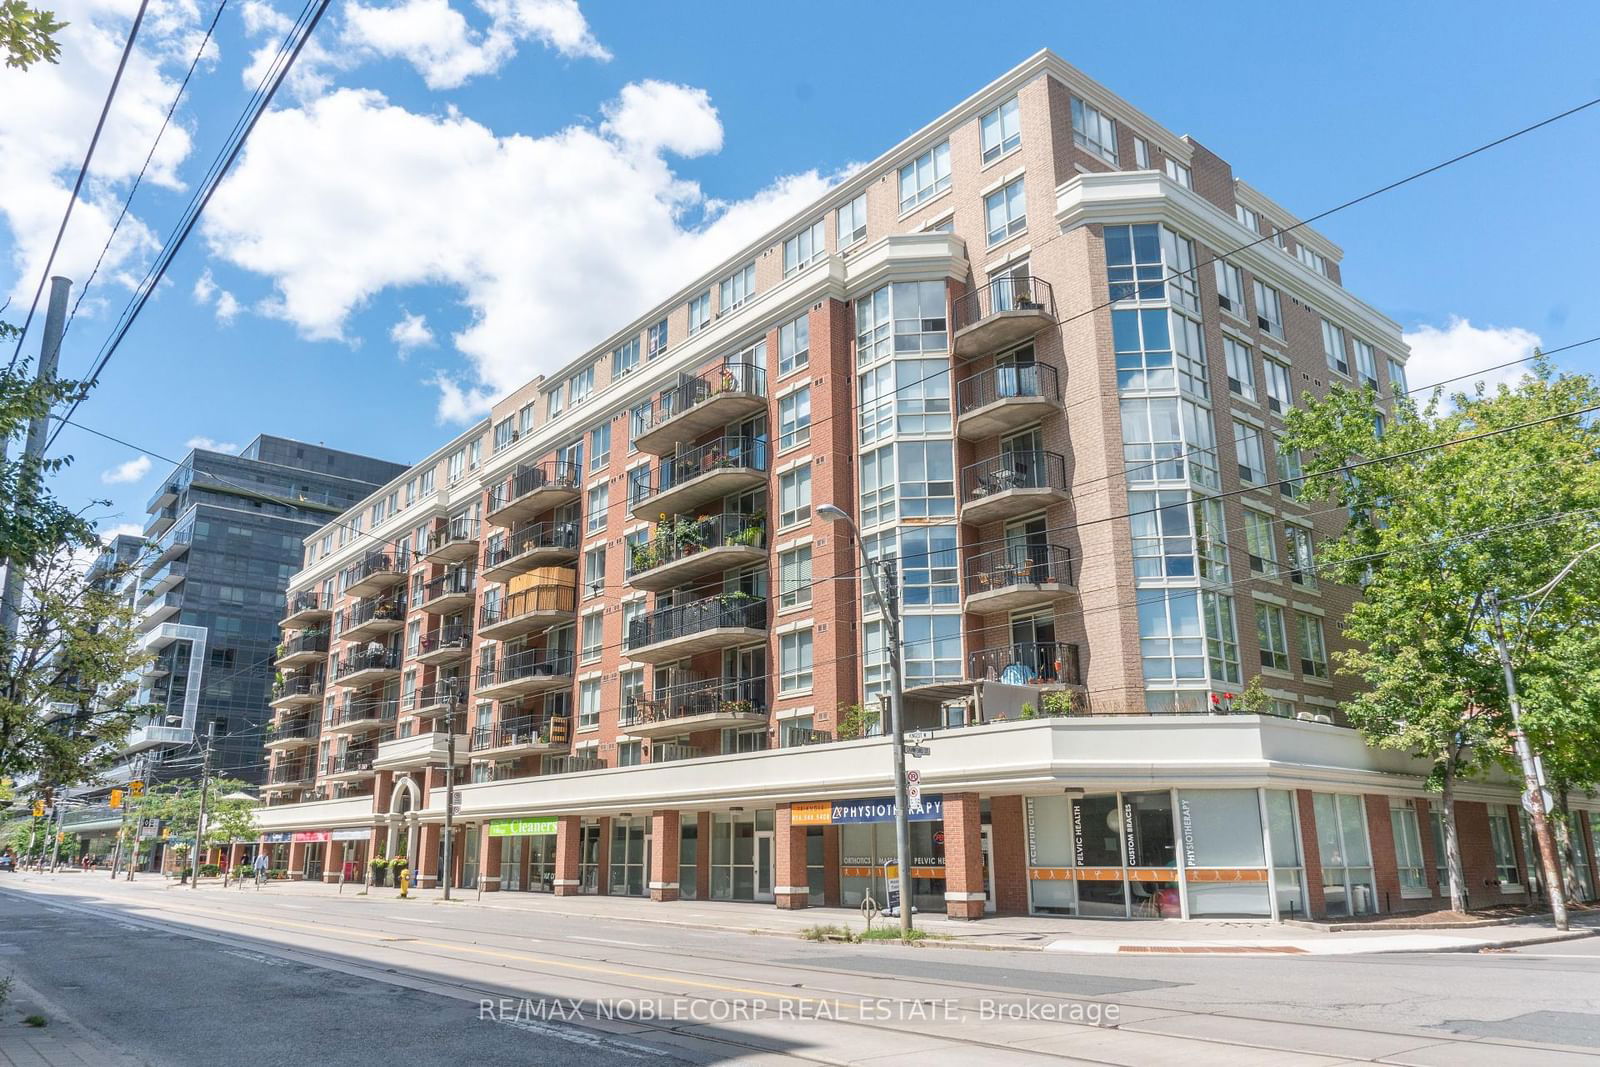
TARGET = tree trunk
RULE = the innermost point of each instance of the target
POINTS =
(1567, 858)
(1452, 845)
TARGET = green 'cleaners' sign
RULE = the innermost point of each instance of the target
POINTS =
(522, 827)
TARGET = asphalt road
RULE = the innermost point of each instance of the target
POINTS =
(205, 977)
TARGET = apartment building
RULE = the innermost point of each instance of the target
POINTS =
(1040, 352)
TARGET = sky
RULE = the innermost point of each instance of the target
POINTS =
(450, 197)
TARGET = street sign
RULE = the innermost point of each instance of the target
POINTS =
(918, 751)
(1545, 796)
(913, 789)
(916, 737)
(136, 788)
(455, 805)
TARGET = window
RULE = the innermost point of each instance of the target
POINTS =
(1312, 259)
(794, 577)
(1168, 439)
(455, 466)
(1302, 563)
(1094, 131)
(554, 401)
(1163, 535)
(1222, 637)
(581, 385)
(1147, 262)
(925, 177)
(595, 507)
(427, 482)
(1397, 379)
(852, 220)
(1273, 636)
(1280, 394)
(1252, 456)
(1241, 369)
(1170, 638)
(630, 687)
(794, 418)
(1179, 173)
(525, 418)
(1247, 218)
(632, 612)
(804, 248)
(1259, 542)
(1141, 153)
(928, 563)
(1366, 361)
(794, 497)
(505, 432)
(589, 703)
(1313, 650)
(925, 473)
(1333, 348)
(1269, 309)
(594, 571)
(699, 312)
(1347, 887)
(1290, 473)
(794, 661)
(1158, 352)
(1505, 852)
(736, 288)
(638, 423)
(625, 358)
(1005, 213)
(1407, 847)
(592, 639)
(600, 446)
(794, 344)
(1001, 130)
(1230, 287)
(630, 753)
(655, 340)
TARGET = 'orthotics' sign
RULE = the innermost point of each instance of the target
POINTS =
(523, 827)
(863, 810)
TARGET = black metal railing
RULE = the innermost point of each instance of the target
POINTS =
(380, 659)
(1027, 663)
(452, 635)
(529, 538)
(316, 641)
(377, 609)
(352, 761)
(683, 620)
(455, 583)
(295, 603)
(538, 598)
(705, 696)
(681, 538)
(305, 729)
(572, 764)
(1013, 470)
(531, 663)
(725, 453)
(522, 730)
(532, 477)
(298, 685)
(1006, 382)
(367, 709)
(733, 379)
(376, 563)
(293, 773)
(1009, 292)
(1019, 565)
(434, 695)
(458, 530)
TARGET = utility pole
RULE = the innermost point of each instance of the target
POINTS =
(55, 323)
(199, 826)
(1531, 776)
(456, 700)
(55, 838)
(122, 831)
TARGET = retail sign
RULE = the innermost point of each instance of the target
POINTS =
(869, 810)
(351, 835)
(279, 837)
(304, 836)
(542, 827)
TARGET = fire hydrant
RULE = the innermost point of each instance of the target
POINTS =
(405, 882)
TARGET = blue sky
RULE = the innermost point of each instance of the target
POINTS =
(523, 177)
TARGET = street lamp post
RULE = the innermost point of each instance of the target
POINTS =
(450, 783)
(897, 726)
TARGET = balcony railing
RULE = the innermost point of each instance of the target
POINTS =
(1028, 663)
(1013, 470)
(293, 773)
(352, 761)
(451, 637)
(532, 663)
(685, 620)
(368, 660)
(680, 539)
(364, 711)
(699, 404)
(700, 697)
(458, 583)
(374, 565)
(302, 729)
(572, 764)
(305, 603)
(1003, 311)
(298, 685)
(523, 730)
(453, 532)
(1019, 565)
(377, 609)
(673, 753)
(1013, 381)
(725, 454)
(535, 600)
(535, 477)
(559, 536)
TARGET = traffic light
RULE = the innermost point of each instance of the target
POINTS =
(558, 730)
(38, 809)
(136, 788)
(116, 799)
(61, 835)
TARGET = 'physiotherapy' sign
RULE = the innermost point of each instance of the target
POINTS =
(864, 810)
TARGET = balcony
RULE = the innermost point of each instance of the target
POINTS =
(685, 550)
(685, 483)
(304, 609)
(1004, 398)
(359, 716)
(674, 753)
(297, 689)
(527, 609)
(351, 765)
(521, 736)
(367, 667)
(534, 488)
(698, 405)
(1048, 663)
(531, 671)
(1011, 484)
(450, 642)
(295, 733)
(143, 737)
(164, 607)
(454, 542)
(377, 572)
(169, 548)
(168, 577)
(294, 772)
(450, 594)
(306, 648)
(161, 521)
(1018, 577)
(430, 748)
(434, 698)
(689, 707)
(531, 546)
(572, 764)
(1003, 312)
(369, 619)
(725, 621)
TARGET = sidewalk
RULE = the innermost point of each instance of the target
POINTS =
(1011, 932)
(59, 1043)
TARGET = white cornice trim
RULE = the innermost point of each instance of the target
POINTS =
(1262, 204)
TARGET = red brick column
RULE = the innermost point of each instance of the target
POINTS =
(963, 856)
(297, 860)
(1385, 868)
(489, 863)
(831, 893)
(1431, 861)
(1477, 853)
(1009, 834)
(427, 859)
(566, 876)
(790, 886)
(665, 838)
(235, 855)
(1311, 855)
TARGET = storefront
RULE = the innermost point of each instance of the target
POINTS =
(629, 857)
(867, 850)
(741, 855)
(527, 853)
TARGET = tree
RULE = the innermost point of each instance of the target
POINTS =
(1447, 509)
(28, 34)
(177, 804)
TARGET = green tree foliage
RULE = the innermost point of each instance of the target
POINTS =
(1417, 542)
(177, 805)
(32, 522)
(28, 34)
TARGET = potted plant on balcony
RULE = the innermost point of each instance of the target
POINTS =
(737, 707)
(644, 557)
(1024, 299)
(752, 535)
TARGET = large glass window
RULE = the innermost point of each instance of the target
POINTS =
(1230, 287)
(794, 418)
(1333, 348)
(1407, 847)
(1269, 309)
(589, 702)
(1241, 368)
(1163, 536)
(1347, 887)
(1148, 262)
(1158, 352)
(1283, 833)
(804, 248)
(1094, 130)
(736, 288)
(794, 661)
(1505, 851)
(852, 220)
(925, 177)
(625, 357)
(1302, 562)
(1168, 439)
(699, 312)
(1274, 637)
(1397, 379)
(1280, 393)
(1222, 833)
(926, 477)
(1366, 361)
(1250, 454)
(1260, 542)
(928, 565)
(794, 577)
(629, 849)
(1313, 649)
(794, 344)
(1222, 638)
(655, 340)
(932, 651)
(1001, 130)
(794, 497)
(1171, 641)
(1005, 212)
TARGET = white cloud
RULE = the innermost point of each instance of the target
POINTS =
(1461, 348)
(458, 403)
(210, 445)
(223, 303)
(447, 50)
(127, 473)
(561, 237)
(227, 308)
(311, 73)
(111, 533)
(205, 287)
(411, 332)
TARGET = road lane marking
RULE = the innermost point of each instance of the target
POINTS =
(610, 941)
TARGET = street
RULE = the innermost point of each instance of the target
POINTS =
(173, 976)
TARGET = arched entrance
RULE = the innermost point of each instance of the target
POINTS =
(405, 799)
